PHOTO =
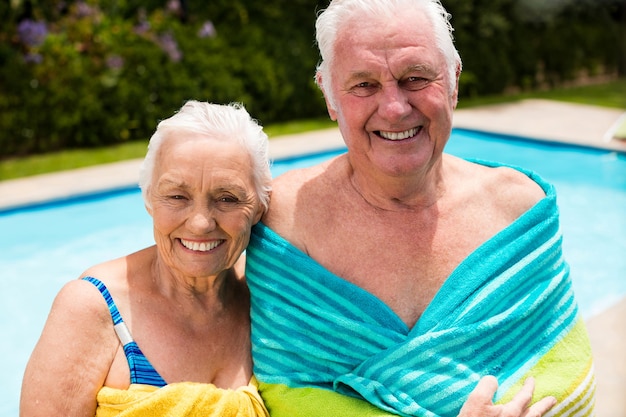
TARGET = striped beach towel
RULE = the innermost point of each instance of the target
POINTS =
(323, 346)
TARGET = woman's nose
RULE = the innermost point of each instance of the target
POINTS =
(202, 220)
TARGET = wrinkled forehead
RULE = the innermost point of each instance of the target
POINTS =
(180, 140)
(409, 43)
(411, 28)
(188, 149)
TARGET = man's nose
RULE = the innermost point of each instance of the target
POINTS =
(394, 103)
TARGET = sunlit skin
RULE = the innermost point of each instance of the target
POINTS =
(386, 82)
(396, 216)
(203, 205)
(184, 299)
(392, 97)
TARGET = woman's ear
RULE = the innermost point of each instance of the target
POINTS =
(259, 215)
(148, 208)
(260, 212)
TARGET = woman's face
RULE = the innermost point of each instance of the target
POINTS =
(203, 203)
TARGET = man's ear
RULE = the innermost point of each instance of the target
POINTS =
(329, 105)
(455, 93)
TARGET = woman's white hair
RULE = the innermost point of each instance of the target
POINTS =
(332, 20)
(226, 122)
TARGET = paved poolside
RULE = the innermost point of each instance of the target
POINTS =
(538, 119)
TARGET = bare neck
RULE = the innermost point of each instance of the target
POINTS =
(215, 290)
(417, 191)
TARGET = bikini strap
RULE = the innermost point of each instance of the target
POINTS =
(141, 370)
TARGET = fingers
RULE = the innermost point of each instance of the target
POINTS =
(479, 403)
(485, 390)
(522, 399)
(540, 407)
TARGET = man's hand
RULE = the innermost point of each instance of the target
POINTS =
(480, 401)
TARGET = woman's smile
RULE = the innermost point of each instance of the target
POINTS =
(201, 246)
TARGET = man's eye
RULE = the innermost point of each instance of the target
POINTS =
(363, 89)
(414, 83)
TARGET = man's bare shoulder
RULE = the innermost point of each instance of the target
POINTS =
(515, 188)
(298, 189)
(507, 189)
(288, 183)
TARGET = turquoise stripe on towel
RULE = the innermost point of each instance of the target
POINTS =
(498, 313)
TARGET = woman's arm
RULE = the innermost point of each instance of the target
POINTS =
(72, 357)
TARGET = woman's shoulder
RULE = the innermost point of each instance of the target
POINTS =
(116, 270)
(79, 306)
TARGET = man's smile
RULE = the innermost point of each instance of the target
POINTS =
(399, 135)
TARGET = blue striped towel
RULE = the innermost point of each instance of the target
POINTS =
(508, 310)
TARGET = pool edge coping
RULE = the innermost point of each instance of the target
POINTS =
(288, 148)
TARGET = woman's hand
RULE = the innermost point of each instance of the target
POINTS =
(480, 401)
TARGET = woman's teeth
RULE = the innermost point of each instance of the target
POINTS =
(200, 246)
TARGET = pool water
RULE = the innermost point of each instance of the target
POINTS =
(44, 246)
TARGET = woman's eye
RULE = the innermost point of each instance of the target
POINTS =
(228, 199)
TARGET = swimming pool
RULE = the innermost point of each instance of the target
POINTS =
(44, 246)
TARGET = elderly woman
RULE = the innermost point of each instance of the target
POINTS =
(165, 330)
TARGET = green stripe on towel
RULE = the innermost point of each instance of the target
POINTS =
(322, 344)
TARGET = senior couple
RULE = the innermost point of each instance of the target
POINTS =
(391, 280)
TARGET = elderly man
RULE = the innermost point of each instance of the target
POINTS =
(389, 280)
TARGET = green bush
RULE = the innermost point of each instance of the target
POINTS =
(87, 73)
(100, 77)
(527, 43)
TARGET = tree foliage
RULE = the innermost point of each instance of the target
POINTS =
(81, 73)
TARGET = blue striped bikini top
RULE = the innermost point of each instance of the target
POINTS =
(141, 370)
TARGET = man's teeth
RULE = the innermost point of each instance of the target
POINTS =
(200, 246)
(399, 135)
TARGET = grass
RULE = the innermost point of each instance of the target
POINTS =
(69, 159)
(611, 94)
(13, 168)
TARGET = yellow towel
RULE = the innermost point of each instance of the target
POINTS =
(180, 399)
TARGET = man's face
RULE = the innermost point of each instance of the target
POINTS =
(391, 93)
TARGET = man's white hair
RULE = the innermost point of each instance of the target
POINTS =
(331, 21)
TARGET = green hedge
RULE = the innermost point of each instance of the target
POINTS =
(532, 43)
(91, 73)
(99, 77)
